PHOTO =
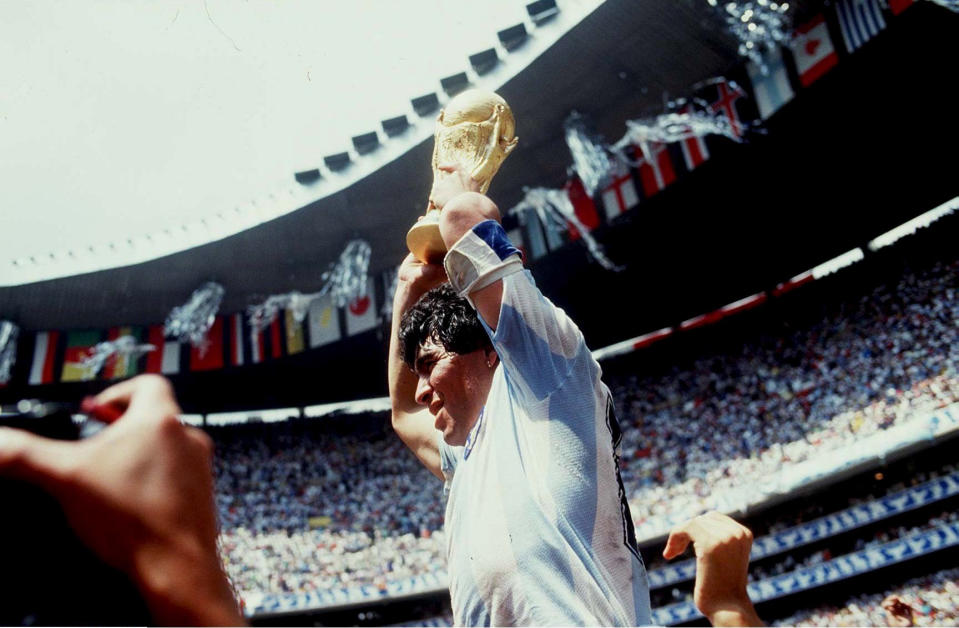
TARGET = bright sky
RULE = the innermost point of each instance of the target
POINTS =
(123, 118)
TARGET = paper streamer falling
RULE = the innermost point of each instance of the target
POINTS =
(555, 211)
(345, 280)
(686, 119)
(8, 349)
(590, 159)
(122, 346)
(191, 321)
(757, 26)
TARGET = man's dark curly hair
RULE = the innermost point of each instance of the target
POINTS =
(447, 319)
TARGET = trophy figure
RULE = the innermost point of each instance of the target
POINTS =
(474, 130)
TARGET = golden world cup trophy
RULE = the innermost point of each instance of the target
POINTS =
(475, 130)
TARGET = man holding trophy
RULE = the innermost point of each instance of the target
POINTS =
(495, 391)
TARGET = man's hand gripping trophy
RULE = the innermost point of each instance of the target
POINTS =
(474, 135)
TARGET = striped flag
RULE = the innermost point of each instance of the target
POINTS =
(361, 312)
(655, 169)
(276, 337)
(694, 148)
(771, 87)
(80, 346)
(237, 340)
(860, 21)
(533, 235)
(210, 355)
(166, 358)
(295, 340)
(813, 51)
(583, 207)
(620, 195)
(42, 368)
(324, 321)
(118, 365)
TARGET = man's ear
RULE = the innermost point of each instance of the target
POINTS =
(492, 358)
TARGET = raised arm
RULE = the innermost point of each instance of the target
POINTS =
(412, 422)
(462, 209)
(722, 565)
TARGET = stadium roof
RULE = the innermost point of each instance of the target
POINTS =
(164, 119)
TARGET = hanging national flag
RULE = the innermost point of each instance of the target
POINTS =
(694, 148)
(237, 339)
(276, 335)
(120, 365)
(655, 169)
(583, 207)
(80, 346)
(898, 6)
(533, 233)
(209, 356)
(44, 358)
(813, 51)
(166, 358)
(727, 93)
(295, 341)
(772, 88)
(860, 21)
(324, 321)
(361, 312)
(620, 195)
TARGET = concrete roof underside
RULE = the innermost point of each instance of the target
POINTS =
(616, 65)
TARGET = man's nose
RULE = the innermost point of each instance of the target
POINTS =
(423, 391)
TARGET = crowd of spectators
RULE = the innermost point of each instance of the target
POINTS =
(933, 598)
(694, 432)
(303, 508)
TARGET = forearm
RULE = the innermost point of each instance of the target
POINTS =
(186, 586)
(462, 213)
(742, 615)
(402, 382)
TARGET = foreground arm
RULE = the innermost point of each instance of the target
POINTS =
(411, 421)
(722, 562)
(140, 495)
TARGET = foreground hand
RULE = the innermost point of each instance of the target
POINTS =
(451, 181)
(722, 562)
(140, 495)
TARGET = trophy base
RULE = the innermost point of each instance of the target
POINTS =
(424, 240)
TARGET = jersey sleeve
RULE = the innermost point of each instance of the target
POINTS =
(537, 342)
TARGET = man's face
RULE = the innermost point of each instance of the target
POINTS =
(453, 387)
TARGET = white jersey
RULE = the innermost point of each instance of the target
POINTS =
(538, 528)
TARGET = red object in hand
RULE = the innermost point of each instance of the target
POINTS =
(108, 413)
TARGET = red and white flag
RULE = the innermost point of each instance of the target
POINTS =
(361, 312)
(620, 195)
(166, 357)
(44, 356)
(727, 93)
(583, 207)
(813, 51)
(694, 148)
(655, 169)
(209, 356)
